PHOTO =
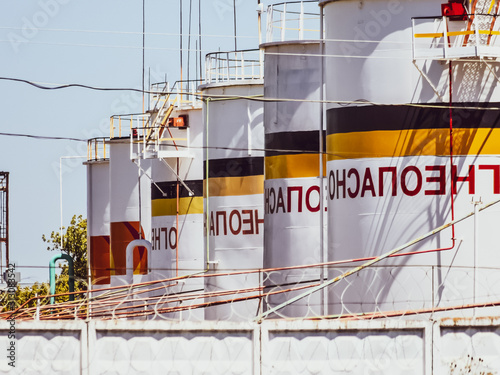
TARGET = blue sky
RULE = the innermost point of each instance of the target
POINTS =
(96, 43)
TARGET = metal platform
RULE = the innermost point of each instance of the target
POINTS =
(440, 38)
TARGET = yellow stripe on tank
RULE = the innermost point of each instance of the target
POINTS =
(234, 186)
(168, 207)
(293, 166)
(421, 142)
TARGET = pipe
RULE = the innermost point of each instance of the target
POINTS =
(207, 194)
(90, 214)
(7, 259)
(321, 174)
(177, 201)
(130, 256)
(259, 20)
(52, 276)
(370, 263)
(452, 187)
(476, 248)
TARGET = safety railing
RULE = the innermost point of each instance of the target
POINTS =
(294, 20)
(159, 142)
(395, 292)
(156, 133)
(121, 125)
(355, 288)
(185, 93)
(441, 38)
(97, 149)
(244, 65)
(163, 99)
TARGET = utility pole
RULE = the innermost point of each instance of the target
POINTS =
(235, 34)
(4, 217)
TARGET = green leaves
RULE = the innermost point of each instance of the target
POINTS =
(74, 244)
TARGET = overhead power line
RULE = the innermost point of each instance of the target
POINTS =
(50, 138)
(132, 33)
(258, 98)
(102, 46)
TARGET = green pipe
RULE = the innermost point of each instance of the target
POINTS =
(52, 276)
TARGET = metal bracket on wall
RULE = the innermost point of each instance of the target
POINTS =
(429, 82)
(191, 193)
(150, 178)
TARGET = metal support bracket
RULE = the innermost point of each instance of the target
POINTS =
(150, 178)
(428, 81)
(191, 193)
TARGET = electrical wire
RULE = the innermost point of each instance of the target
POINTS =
(98, 45)
(43, 137)
(258, 98)
(130, 33)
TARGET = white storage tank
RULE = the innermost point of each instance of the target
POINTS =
(177, 215)
(294, 216)
(98, 210)
(399, 164)
(234, 186)
(130, 212)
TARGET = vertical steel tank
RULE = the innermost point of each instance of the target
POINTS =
(177, 214)
(130, 211)
(412, 144)
(234, 184)
(293, 222)
(98, 210)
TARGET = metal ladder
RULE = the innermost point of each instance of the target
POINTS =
(480, 11)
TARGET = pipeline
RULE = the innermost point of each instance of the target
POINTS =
(371, 262)
(52, 276)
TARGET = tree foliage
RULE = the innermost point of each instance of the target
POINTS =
(29, 292)
(74, 244)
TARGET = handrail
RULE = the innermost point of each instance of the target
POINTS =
(291, 21)
(445, 39)
(373, 261)
(163, 99)
(117, 295)
(97, 149)
(241, 65)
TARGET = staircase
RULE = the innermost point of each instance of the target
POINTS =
(162, 135)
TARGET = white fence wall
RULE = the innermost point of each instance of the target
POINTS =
(452, 346)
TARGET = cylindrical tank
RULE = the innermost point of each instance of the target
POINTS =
(233, 189)
(177, 215)
(293, 178)
(395, 154)
(98, 208)
(130, 214)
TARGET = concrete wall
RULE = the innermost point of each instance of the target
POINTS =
(450, 346)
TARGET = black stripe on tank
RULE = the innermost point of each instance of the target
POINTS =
(170, 189)
(386, 117)
(291, 143)
(235, 167)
